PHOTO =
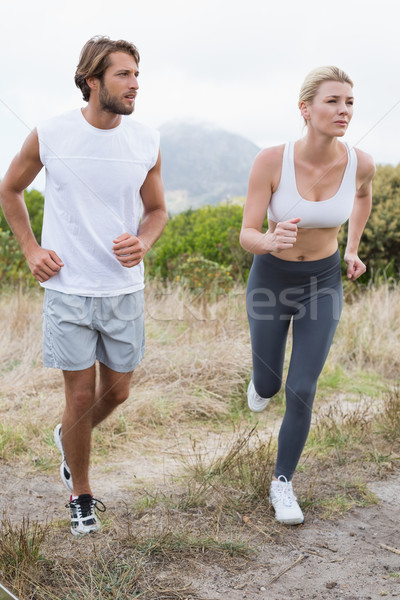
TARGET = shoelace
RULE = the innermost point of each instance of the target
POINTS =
(97, 504)
(84, 505)
(256, 396)
(286, 492)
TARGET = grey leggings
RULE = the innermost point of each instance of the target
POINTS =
(310, 295)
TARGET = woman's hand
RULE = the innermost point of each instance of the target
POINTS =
(355, 267)
(283, 236)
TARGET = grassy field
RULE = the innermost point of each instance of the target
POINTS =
(188, 405)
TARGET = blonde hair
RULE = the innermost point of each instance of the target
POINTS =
(317, 76)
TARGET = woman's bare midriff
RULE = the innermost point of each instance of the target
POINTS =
(311, 244)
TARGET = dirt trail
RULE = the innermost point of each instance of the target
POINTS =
(342, 560)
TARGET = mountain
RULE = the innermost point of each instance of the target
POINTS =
(203, 165)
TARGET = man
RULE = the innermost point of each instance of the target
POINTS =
(104, 209)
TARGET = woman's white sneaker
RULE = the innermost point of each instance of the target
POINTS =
(285, 502)
(255, 401)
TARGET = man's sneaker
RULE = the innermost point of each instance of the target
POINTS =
(83, 514)
(254, 400)
(284, 502)
(65, 473)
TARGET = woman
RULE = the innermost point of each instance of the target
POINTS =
(308, 188)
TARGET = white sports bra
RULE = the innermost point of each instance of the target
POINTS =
(286, 203)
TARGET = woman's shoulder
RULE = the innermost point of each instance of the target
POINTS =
(267, 167)
(365, 164)
(270, 157)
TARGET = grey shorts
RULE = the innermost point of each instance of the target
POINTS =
(78, 330)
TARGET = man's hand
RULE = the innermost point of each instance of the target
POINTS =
(355, 267)
(129, 250)
(43, 263)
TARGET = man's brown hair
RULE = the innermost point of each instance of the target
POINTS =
(95, 58)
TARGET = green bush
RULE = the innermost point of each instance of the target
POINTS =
(380, 243)
(35, 204)
(13, 266)
(210, 236)
(200, 275)
(211, 232)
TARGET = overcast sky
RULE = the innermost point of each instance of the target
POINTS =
(237, 64)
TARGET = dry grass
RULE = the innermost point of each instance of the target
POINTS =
(197, 363)
(238, 473)
(197, 347)
(189, 394)
(135, 557)
(191, 370)
(21, 552)
(368, 335)
(21, 346)
(191, 358)
(389, 417)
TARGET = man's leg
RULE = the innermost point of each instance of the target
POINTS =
(77, 425)
(112, 390)
(85, 408)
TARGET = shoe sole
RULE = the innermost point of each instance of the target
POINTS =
(258, 407)
(67, 482)
(297, 521)
(82, 533)
(290, 521)
(57, 440)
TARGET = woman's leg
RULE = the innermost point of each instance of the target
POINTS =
(268, 327)
(268, 341)
(312, 338)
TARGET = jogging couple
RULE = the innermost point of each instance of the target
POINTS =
(104, 209)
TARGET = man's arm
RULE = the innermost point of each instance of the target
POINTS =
(129, 249)
(23, 170)
(359, 216)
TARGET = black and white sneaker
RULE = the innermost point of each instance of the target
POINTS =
(84, 517)
(65, 473)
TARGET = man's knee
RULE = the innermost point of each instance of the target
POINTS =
(116, 396)
(80, 402)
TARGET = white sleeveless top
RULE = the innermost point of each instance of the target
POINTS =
(286, 203)
(92, 195)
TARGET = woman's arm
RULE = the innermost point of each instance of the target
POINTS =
(359, 215)
(263, 181)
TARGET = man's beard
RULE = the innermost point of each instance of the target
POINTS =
(112, 104)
